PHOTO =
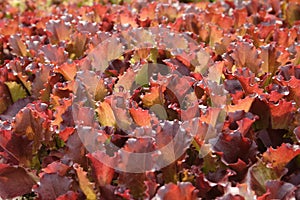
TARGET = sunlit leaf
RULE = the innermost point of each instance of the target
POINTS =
(16, 91)
(106, 115)
(85, 185)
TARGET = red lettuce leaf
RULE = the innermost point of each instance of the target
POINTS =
(52, 186)
(14, 181)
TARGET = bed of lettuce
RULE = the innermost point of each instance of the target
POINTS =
(254, 47)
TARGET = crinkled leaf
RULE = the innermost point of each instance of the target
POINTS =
(75, 150)
(279, 157)
(14, 181)
(202, 62)
(125, 81)
(155, 96)
(245, 55)
(106, 115)
(52, 186)
(105, 53)
(243, 104)
(292, 12)
(141, 117)
(215, 72)
(278, 190)
(59, 29)
(78, 45)
(54, 54)
(234, 146)
(269, 55)
(60, 107)
(56, 167)
(42, 76)
(68, 70)
(281, 114)
(16, 91)
(103, 173)
(260, 173)
(135, 182)
(34, 123)
(142, 76)
(17, 45)
(18, 146)
(85, 185)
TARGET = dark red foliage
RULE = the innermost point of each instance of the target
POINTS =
(15, 181)
(180, 191)
(210, 95)
(52, 186)
(278, 190)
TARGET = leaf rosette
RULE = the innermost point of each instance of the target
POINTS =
(137, 103)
